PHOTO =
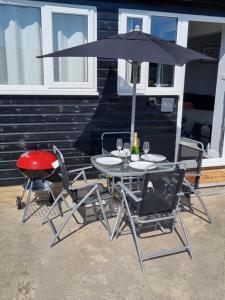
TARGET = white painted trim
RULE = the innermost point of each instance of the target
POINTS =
(42, 4)
(50, 87)
(204, 18)
(122, 85)
(48, 42)
(209, 162)
(219, 108)
(157, 92)
(213, 162)
(185, 17)
(178, 89)
(219, 99)
(125, 88)
(182, 37)
(22, 3)
(60, 92)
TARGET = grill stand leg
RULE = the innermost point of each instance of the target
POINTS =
(25, 214)
(19, 200)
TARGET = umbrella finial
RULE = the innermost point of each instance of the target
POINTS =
(137, 28)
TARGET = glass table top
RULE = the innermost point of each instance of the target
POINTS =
(120, 170)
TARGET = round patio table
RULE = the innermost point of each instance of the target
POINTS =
(120, 171)
(117, 170)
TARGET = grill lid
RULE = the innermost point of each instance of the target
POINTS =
(36, 160)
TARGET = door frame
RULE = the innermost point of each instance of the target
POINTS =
(210, 162)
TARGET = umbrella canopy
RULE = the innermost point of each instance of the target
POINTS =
(136, 46)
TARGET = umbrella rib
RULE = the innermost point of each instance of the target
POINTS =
(173, 62)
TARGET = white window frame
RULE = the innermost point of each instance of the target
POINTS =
(49, 87)
(220, 161)
(125, 88)
(178, 89)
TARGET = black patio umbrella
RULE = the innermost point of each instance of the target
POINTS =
(135, 46)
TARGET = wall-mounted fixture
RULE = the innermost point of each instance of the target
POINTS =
(167, 104)
(151, 101)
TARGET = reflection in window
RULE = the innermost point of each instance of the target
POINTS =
(133, 24)
(69, 31)
(166, 28)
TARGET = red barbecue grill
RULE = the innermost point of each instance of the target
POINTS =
(36, 165)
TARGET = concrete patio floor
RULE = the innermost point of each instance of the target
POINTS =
(87, 265)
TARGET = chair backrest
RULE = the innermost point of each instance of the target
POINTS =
(62, 167)
(108, 140)
(161, 188)
(191, 152)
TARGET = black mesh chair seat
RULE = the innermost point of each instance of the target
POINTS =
(148, 214)
(152, 209)
(80, 193)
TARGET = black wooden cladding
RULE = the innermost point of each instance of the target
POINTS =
(28, 123)
(75, 123)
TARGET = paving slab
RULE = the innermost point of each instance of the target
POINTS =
(86, 265)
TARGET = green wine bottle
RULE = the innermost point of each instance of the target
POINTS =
(135, 148)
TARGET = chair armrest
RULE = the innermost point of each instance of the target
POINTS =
(80, 169)
(129, 192)
(84, 185)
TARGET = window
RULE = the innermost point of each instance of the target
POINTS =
(162, 75)
(18, 27)
(133, 24)
(28, 29)
(153, 78)
(128, 22)
(69, 31)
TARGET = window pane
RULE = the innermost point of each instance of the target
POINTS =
(20, 43)
(133, 24)
(161, 75)
(68, 31)
(166, 28)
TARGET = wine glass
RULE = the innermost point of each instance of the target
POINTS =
(126, 150)
(119, 145)
(146, 148)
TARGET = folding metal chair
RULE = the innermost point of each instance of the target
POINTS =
(108, 140)
(191, 153)
(156, 207)
(93, 194)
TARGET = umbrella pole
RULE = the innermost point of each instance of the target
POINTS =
(135, 73)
